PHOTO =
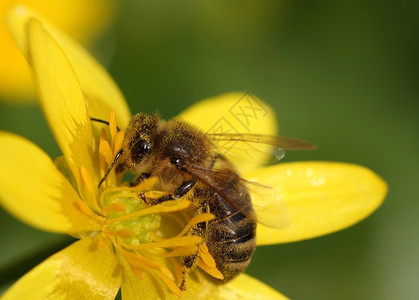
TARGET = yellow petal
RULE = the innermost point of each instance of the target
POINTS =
(234, 113)
(83, 19)
(33, 190)
(133, 287)
(15, 80)
(100, 90)
(321, 197)
(61, 99)
(136, 288)
(81, 271)
(242, 287)
(246, 287)
(198, 286)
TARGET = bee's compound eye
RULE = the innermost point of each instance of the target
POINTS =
(139, 150)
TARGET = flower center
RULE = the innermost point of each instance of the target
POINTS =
(133, 230)
(152, 238)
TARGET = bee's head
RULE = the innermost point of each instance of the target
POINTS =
(138, 142)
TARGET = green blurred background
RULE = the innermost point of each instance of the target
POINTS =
(342, 75)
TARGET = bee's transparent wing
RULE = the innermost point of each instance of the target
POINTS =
(268, 205)
(248, 146)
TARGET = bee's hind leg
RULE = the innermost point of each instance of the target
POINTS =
(188, 263)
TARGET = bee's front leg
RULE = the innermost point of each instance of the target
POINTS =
(178, 193)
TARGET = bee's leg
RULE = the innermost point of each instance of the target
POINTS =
(189, 262)
(178, 193)
(139, 179)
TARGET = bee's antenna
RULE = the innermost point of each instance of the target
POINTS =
(110, 167)
(104, 122)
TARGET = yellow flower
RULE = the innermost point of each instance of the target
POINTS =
(83, 19)
(123, 243)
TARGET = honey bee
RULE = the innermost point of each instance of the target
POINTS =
(187, 162)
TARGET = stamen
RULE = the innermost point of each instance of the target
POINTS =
(206, 262)
(103, 243)
(156, 209)
(214, 272)
(88, 189)
(119, 139)
(120, 207)
(85, 209)
(145, 185)
(169, 243)
(179, 252)
(204, 217)
(105, 151)
(127, 192)
(124, 195)
(122, 233)
(138, 261)
(206, 256)
(119, 193)
(106, 157)
(166, 272)
(112, 124)
(169, 282)
(178, 269)
(139, 264)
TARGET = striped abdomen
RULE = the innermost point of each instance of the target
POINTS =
(230, 236)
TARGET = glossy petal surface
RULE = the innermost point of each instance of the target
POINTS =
(135, 288)
(34, 191)
(246, 287)
(198, 287)
(242, 287)
(80, 271)
(62, 99)
(321, 197)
